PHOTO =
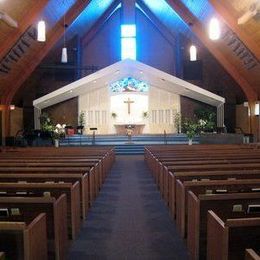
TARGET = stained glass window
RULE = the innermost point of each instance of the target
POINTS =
(129, 84)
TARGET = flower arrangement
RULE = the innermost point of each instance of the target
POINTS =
(190, 128)
(59, 131)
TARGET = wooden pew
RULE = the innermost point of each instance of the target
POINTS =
(72, 192)
(55, 210)
(209, 187)
(205, 175)
(197, 216)
(251, 255)
(23, 238)
(66, 178)
(228, 235)
(58, 170)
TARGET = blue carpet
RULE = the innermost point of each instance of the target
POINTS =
(129, 219)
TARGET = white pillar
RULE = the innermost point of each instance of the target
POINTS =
(37, 114)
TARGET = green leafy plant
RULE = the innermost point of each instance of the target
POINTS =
(145, 114)
(177, 122)
(206, 119)
(46, 123)
(82, 118)
(114, 115)
(59, 131)
(190, 127)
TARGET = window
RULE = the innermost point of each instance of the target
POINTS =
(128, 41)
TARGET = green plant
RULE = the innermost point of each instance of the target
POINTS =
(190, 127)
(206, 119)
(177, 122)
(145, 114)
(82, 118)
(59, 131)
(114, 115)
(46, 123)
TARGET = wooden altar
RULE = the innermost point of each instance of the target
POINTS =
(137, 128)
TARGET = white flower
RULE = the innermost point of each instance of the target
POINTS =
(64, 125)
(58, 126)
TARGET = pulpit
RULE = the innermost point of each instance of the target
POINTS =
(121, 129)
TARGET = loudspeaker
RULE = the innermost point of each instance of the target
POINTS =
(192, 70)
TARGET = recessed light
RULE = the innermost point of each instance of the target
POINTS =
(94, 81)
(141, 72)
(117, 71)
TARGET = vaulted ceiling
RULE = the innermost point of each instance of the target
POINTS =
(238, 50)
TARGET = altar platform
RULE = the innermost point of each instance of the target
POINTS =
(123, 145)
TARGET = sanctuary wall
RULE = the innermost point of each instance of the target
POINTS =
(99, 105)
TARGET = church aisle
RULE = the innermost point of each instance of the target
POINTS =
(128, 219)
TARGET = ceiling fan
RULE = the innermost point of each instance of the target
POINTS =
(254, 9)
(8, 19)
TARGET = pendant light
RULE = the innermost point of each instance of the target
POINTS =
(64, 52)
(214, 29)
(41, 31)
(193, 53)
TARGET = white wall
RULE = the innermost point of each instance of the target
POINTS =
(100, 104)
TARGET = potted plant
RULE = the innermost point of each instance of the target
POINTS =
(190, 128)
(58, 133)
(81, 121)
(177, 122)
(114, 115)
(206, 119)
(145, 114)
(46, 126)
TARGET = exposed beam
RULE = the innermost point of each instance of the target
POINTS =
(28, 20)
(53, 36)
(156, 22)
(99, 23)
(232, 24)
(197, 27)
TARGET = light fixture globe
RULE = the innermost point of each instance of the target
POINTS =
(214, 29)
(64, 55)
(41, 31)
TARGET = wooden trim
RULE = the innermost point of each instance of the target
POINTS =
(53, 36)
(29, 19)
(199, 30)
(232, 24)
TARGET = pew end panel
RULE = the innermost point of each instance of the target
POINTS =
(217, 238)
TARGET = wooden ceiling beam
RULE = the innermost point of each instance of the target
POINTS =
(197, 27)
(27, 21)
(157, 23)
(232, 24)
(99, 23)
(52, 37)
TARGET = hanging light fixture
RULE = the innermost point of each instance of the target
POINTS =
(214, 29)
(64, 52)
(193, 53)
(41, 31)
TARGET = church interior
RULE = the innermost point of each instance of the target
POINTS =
(130, 129)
